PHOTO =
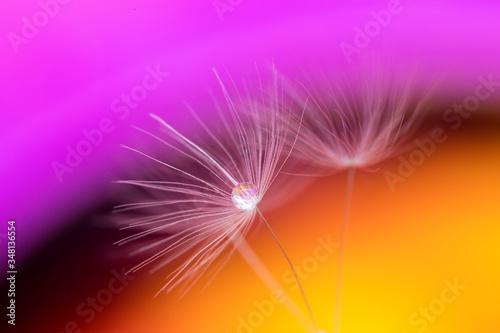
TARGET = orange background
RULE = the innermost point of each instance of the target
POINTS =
(441, 224)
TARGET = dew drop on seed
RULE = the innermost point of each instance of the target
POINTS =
(245, 196)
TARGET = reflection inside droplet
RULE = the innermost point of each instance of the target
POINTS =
(246, 196)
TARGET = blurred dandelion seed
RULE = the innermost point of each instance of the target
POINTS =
(220, 203)
(356, 127)
(359, 125)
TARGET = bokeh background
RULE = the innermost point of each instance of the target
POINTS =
(66, 68)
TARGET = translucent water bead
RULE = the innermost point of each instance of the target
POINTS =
(245, 196)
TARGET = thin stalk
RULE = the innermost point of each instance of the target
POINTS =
(271, 283)
(337, 314)
(313, 319)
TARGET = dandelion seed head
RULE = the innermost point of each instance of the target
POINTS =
(360, 121)
(194, 210)
(246, 196)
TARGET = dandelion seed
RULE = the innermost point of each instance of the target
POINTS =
(359, 125)
(206, 213)
(353, 127)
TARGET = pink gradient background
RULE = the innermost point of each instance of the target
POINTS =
(66, 77)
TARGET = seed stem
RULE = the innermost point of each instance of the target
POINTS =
(265, 275)
(337, 314)
(313, 319)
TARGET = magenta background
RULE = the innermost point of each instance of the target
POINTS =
(65, 79)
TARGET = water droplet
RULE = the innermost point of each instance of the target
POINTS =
(246, 196)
